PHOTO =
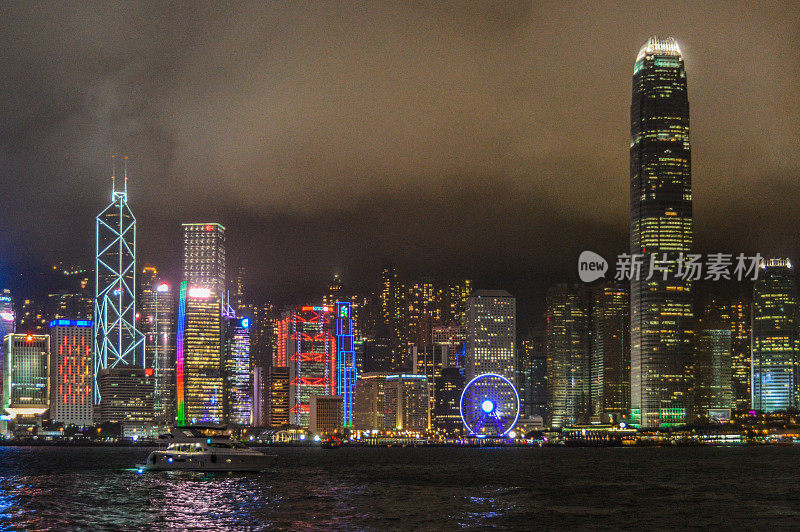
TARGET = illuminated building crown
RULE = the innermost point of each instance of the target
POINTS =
(656, 45)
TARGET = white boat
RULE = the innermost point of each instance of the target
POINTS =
(205, 448)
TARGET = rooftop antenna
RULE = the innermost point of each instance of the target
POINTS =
(113, 178)
(126, 176)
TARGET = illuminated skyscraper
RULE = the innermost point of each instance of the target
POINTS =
(199, 366)
(407, 396)
(346, 370)
(26, 374)
(423, 309)
(71, 379)
(204, 256)
(722, 361)
(311, 356)
(127, 398)
(491, 334)
(238, 402)
(661, 229)
(610, 366)
(369, 408)
(393, 320)
(776, 347)
(199, 371)
(277, 385)
(740, 308)
(157, 323)
(568, 354)
(712, 370)
(117, 341)
(456, 301)
(531, 375)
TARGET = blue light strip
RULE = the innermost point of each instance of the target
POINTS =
(71, 323)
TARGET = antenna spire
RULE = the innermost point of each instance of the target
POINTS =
(126, 176)
(113, 176)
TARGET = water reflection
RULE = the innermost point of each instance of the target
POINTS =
(426, 488)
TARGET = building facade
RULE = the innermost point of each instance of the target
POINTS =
(326, 414)
(200, 335)
(568, 346)
(238, 401)
(775, 350)
(157, 322)
(346, 368)
(127, 397)
(491, 332)
(610, 366)
(199, 371)
(407, 402)
(661, 230)
(369, 410)
(26, 375)
(713, 371)
(446, 411)
(310, 351)
(71, 378)
(117, 340)
(532, 374)
(277, 385)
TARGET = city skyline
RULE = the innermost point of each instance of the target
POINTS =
(482, 202)
(399, 265)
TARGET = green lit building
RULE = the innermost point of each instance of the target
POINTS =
(661, 226)
(775, 338)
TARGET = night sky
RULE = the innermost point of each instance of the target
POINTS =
(486, 140)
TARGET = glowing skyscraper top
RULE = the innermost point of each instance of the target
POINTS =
(117, 341)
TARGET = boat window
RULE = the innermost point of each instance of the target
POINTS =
(220, 445)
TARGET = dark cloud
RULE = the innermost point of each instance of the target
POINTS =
(480, 138)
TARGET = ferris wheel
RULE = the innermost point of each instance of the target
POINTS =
(489, 406)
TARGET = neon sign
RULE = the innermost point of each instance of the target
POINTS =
(180, 337)
(199, 292)
(71, 323)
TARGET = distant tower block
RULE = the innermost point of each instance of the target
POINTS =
(117, 341)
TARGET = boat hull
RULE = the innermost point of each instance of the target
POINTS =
(244, 463)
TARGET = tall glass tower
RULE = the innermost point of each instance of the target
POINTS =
(117, 341)
(200, 335)
(776, 346)
(661, 229)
